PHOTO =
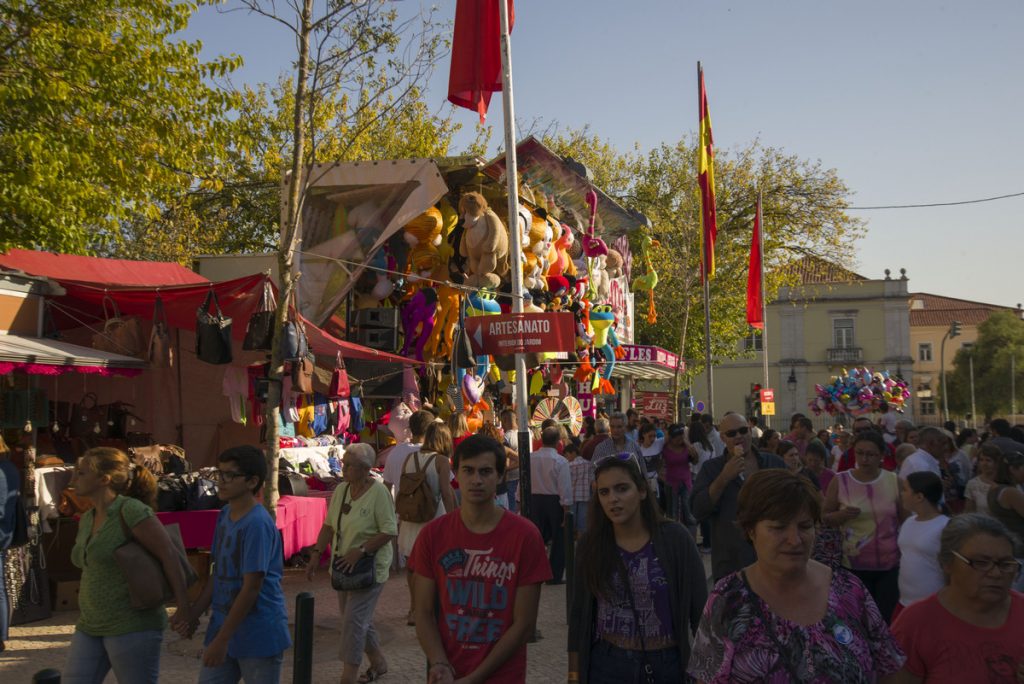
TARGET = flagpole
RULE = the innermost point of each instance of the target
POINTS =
(764, 301)
(515, 248)
(706, 256)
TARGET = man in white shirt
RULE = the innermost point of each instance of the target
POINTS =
(551, 497)
(930, 445)
(418, 424)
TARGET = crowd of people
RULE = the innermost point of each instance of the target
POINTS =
(889, 552)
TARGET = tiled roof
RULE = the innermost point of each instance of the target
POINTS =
(811, 269)
(941, 311)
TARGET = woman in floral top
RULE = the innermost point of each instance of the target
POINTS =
(787, 618)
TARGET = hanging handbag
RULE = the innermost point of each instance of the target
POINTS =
(293, 337)
(160, 353)
(302, 374)
(361, 576)
(120, 335)
(90, 418)
(213, 333)
(148, 586)
(259, 333)
(339, 388)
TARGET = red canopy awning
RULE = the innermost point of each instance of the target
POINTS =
(111, 273)
(238, 299)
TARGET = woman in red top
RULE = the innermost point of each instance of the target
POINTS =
(972, 630)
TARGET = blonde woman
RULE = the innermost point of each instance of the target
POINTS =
(110, 634)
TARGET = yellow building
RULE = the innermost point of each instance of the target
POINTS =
(930, 319)
(831, 320)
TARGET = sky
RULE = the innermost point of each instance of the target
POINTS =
(912, 102)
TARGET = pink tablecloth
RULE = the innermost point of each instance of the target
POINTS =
(298, 517)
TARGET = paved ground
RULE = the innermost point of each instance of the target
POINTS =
(43, 644)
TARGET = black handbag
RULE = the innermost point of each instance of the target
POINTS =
(293, 338)
(213, 333)
(259, 334)
(292, 484)
(201, 493)
(363, 575)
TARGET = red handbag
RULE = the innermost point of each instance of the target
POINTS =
(339, 380)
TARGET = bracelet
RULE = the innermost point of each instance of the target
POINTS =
(442, 663)
(573, 677)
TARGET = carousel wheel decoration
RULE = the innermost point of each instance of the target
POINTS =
(566, 410)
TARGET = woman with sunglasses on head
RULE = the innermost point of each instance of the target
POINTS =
(640, 585)
(972, 629)
(786, 618)
(864, 504)
(110, 634)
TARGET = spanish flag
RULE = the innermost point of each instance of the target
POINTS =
(706, 180)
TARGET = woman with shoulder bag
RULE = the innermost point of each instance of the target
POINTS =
(10, 492)
(359, 527)
(110, 633)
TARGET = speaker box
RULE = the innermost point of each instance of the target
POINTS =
(384, 339)
(386, 317)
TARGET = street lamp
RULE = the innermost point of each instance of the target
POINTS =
(791, 380)
(954, 331)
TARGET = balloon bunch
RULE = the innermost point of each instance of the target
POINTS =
(859, 392)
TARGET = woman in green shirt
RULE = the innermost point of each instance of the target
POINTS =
(110, 634)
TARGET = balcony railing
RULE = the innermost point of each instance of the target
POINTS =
(845, 355)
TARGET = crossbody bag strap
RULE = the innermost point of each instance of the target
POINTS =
(648, 670)
(337, 529)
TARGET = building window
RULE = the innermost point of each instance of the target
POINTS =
(924, 351)
(842, 333)
(927, 407)
(753, 341)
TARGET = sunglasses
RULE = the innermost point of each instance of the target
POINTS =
(738, 431)
(622, 457)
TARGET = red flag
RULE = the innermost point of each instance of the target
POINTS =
(755, 297)
(706, 180)
(476, 54)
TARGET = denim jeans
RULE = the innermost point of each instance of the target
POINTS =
(612, 665)
(134, 657)
(512, 485)
(579, 515)
(250, 670)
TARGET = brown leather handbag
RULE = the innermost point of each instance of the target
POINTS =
(148, 587)
(161, 353)
(302, 374)
(71, 505)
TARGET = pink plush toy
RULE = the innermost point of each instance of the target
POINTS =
(593, 246)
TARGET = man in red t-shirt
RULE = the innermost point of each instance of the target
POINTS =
(483, 567)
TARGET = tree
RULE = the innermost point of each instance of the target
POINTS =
(1000, 346)
(103, 118)
(358, 48)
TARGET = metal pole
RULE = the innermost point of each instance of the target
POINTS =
(303, 659)
(512, 180)
(974, 411)
(570, 559)
(942, 365)
(764, 305)
(1013, 386)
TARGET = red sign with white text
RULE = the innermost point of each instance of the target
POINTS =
(655, 404)
(527, 333)
(767, 396)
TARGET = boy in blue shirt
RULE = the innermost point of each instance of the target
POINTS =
(248, 630)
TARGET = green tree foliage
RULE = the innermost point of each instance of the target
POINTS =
(103, 118)
(803, 210)
(1000, 338)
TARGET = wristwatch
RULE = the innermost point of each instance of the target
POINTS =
(362, 547)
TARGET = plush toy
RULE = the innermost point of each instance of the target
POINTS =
(592, 245)
(425, 228)
(600, 282)
(649, 280)
(561, 262)
(541, 237)
(482, 304)
(602, 319)
(613, 263)
(449, 219)
(484, 242)
(418, 319)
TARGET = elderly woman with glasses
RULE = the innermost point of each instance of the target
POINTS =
(360, 523)
(972, 630)
(786, 618)
(639, 588)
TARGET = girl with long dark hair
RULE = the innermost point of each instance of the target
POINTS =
(640, 585)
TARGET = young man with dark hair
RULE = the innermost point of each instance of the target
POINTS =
(248, 631)
(483, 567)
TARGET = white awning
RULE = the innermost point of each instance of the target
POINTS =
(44, 352)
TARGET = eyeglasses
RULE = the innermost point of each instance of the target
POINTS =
(1010, 566)
(738, 431)
(228, 475)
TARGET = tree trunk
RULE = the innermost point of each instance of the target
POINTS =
(285, 260)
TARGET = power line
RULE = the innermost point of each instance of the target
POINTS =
(937, 204)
